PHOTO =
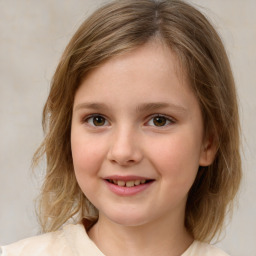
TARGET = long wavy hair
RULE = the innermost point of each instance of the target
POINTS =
(122, 26)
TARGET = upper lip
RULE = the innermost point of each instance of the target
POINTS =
(126, 178)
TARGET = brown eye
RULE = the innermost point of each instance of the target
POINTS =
(159, 121)
(97, 121)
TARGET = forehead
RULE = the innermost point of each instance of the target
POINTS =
(148, 74)
(155, 55)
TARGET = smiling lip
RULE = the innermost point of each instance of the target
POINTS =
(127, 185)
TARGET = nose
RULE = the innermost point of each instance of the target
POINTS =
(125, 148)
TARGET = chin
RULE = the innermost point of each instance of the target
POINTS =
(128, 219)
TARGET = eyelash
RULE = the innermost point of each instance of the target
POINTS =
(86, 119)
(167, 120)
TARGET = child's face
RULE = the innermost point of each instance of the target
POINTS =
(134, 120)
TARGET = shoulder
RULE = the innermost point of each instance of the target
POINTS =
(50, 244)
(203, 249)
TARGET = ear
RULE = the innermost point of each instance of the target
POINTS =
(208, 151)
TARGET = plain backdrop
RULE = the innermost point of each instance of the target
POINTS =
(33, 34)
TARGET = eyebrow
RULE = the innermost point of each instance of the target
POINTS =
(145, 107)
(159, 105)
(91, 105)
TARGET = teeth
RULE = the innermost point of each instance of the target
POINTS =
(137, 182)
(130, 183)
(121, 183)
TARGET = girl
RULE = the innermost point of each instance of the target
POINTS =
(142, 137)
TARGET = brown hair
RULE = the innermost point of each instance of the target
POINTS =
(118, 27)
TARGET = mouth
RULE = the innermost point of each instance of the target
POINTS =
(128, 183)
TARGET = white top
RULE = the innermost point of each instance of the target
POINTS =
(74, 241)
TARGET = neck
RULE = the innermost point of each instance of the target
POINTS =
(161, 237)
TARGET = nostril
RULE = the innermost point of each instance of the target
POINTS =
(123, 162)
(124, 151)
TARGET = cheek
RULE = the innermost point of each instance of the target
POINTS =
(87, 154)
(87, 159)
(177, 158)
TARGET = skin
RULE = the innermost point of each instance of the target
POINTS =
(127, 93)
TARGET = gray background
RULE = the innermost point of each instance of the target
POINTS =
(33, 34)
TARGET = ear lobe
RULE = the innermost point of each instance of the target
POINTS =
(208, 152)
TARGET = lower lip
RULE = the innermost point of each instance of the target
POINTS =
(128, 191)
